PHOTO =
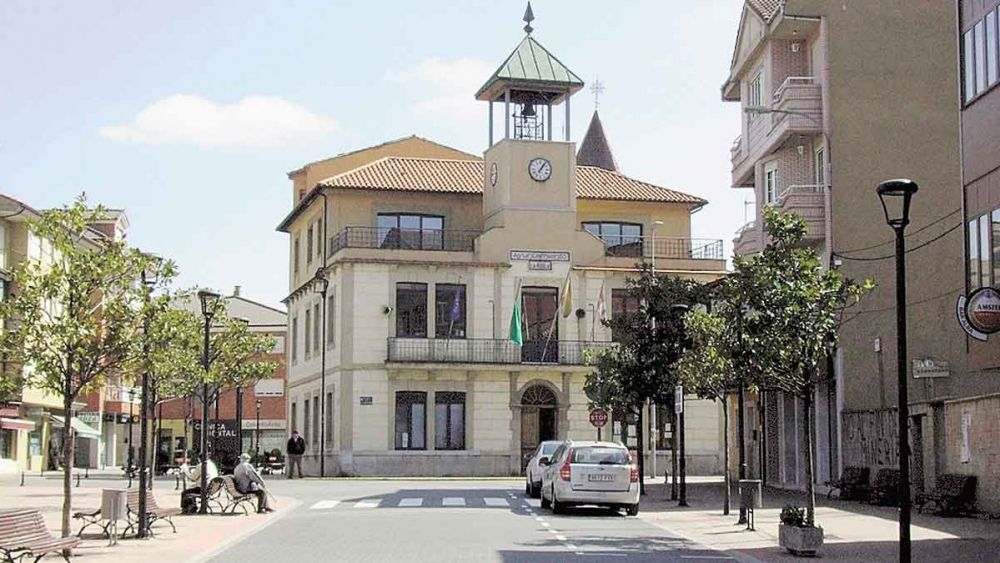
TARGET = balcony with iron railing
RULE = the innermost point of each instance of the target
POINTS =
(493, 351)
(662, 248)
(441, 240)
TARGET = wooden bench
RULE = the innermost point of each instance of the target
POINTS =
(23, 534)
(93, 519)
(952, 494)
(885, 490)
(234, 498)
(854, 484)
(153, 511)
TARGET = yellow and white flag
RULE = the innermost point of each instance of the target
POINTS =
(566, 296)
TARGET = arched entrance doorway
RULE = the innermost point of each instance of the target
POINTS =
(539, 413)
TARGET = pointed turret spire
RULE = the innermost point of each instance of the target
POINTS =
(528, 18)
(594, 150)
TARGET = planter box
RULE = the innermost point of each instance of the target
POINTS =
(800, 541)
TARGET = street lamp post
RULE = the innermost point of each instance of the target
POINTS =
(150, 276)
(257, 449)
(245, 322)
(895, 196)
(131, 437)
(208, 300)
(322, 285)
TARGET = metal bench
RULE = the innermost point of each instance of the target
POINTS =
(153, 510)
(23, 534)
(854, 484)
(885, 490)
(234, 498)
(952, 494)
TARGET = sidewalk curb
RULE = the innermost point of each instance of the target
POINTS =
(738, 556)
(222, 547)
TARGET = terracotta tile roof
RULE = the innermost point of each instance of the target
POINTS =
(466, 177)
(766, 8)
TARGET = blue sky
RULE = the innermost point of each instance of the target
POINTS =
(188, 114)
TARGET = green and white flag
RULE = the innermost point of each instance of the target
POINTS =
(516, 321)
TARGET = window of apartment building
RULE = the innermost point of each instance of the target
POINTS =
(991, 48)
(771, 182)
(331, 319)
(308, 331)
(980, 43)
(754, 95)
(295, 255)
(622, 239)
(410, 230)
(968, 66)
(449, 310)
(980, 62)
(316, 420)
(411, 420)
(329, 417)
(319, 237)
(295, 339)
(293, 422)
(983, 249)
(317, 325)
(411, 310)
(449, 421)
(819, 167)
(305, 420)
(995, 220)
(622, 303)
(309, 244)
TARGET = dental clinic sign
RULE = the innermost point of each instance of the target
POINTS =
(980, 312)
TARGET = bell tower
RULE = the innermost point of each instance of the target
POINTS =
(529, 177)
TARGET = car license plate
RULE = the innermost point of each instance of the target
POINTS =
(601, 478)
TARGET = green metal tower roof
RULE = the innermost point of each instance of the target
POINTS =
(531, 67)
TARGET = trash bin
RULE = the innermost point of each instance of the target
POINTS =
(114, 504)
(750, 499)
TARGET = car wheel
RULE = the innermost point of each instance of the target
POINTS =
(632, 509)
(557, 507)
(536, 491)
(545, 501)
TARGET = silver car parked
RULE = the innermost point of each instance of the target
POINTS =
(598, 473)
(533, 471)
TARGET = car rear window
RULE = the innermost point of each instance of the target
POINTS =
(600, 456)
(547, 449)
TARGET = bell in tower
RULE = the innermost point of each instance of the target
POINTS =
(528, 83)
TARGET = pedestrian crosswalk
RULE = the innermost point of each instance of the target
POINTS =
(420, 502)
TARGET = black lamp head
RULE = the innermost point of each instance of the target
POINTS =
(895, 196)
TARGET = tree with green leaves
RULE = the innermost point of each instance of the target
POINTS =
(651, 339)
(784, 307)
(72, 321)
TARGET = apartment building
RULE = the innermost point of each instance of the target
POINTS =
(427, 250)
(837, 97)
(252, 419)
(971, 410)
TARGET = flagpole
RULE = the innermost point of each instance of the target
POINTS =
(559, 306)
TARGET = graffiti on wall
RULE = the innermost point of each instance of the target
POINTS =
(870, 438)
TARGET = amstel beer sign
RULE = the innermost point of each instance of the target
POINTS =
(982, 311)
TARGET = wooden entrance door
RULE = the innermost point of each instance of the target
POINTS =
(539, 411)
(540, 306)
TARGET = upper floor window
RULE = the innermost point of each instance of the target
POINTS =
(621, 239)
(980, 46)
(449, 310)
(295, 255)
(410, 231)
(622, 303)
(331, 319)
(308, 331)
(317, 326)
(295, 339)
(771, 182)
(755, 96)
(411, 310)
(819, 167)
(309, 244)
(984, 250)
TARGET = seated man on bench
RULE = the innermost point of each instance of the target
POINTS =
(189, 497)
(249, 481)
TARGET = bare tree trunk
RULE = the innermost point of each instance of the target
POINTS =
(807, 400)
(725, 453)
(68, 454)
(673, 452)
(640, 451)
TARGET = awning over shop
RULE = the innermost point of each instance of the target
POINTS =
(17, 424)
(81, 428)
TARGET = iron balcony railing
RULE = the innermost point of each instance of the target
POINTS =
(493, 351)
(662, 247)
(404, 239)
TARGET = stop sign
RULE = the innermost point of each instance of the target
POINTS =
(598, 417)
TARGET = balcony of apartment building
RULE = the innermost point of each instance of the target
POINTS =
(747, 240)
(493, 351)
(808, 201)
(796, 108)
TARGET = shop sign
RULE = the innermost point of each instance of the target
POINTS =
(928, 367)
(367, 400)
(270, 424)
(89, 417)
(983, 310)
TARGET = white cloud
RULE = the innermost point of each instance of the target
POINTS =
(448, 85)
(254, 121)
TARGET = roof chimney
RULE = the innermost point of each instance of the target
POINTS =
(236, 291)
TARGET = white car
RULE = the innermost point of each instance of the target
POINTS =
(597, 473)
(533, 472)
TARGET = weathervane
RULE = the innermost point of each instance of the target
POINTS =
(597, 87)
(528, 18)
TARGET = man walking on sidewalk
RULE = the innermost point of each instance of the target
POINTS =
(296, 447)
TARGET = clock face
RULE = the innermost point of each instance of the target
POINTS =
(493, 174)
(540, 169)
